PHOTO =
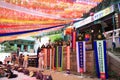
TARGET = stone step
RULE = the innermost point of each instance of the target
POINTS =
(118, 56)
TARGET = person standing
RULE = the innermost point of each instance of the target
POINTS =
(14, 59)
(37, 56)
(21, 60)
(8, 59)
(41, 61)
(25, 62)
(18, 50)
(5, 60)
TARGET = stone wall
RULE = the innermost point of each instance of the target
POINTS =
(113, 63)
(73, 62)
(90, 62)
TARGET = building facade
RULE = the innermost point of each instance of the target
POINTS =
(24, 44)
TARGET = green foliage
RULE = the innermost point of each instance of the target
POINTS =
(13, 48)
(9, 48)
(56, 37)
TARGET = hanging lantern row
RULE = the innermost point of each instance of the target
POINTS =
(46, 22)
(9, 29)
(4, 38)
(19, 15)
(11, 14)
(55, 7)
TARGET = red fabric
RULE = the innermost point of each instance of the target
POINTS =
(68, 31)
(48, 57)
(102, 76)
(81, 70)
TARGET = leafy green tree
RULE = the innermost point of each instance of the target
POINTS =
(13, 48)
(58, 39)
(9, 48)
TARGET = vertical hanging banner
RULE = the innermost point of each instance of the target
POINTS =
(59, 58)
(73, 40)
(68, 58)
(55, 57)
(81, 56)
(101, 61)
(45, 58)
(48, 58)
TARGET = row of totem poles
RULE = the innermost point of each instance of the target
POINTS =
(53, 58)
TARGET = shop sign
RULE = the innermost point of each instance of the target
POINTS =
(96, 16)
(103, 13)
(83, 22)
(100, 57)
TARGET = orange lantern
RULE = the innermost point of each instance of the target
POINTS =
(68, 30)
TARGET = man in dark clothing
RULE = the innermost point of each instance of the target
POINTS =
(38, 50)
(18, 50)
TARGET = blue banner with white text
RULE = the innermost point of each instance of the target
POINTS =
(100, 57)
(81, 56)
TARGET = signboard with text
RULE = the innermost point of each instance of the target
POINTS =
(103, 13)
(100, 57)
(81, 56)
(96, 16)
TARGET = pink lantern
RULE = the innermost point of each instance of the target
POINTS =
(92, 14)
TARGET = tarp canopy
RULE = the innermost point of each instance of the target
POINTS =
(30, 17)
